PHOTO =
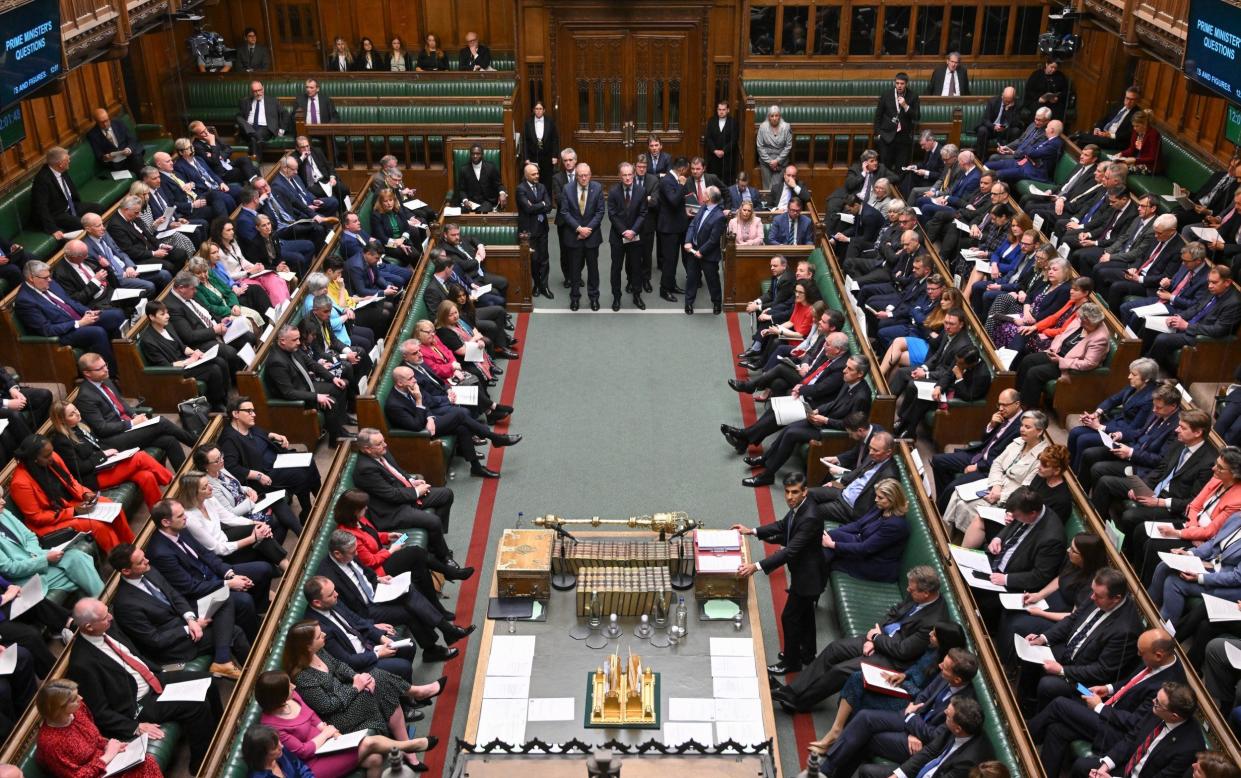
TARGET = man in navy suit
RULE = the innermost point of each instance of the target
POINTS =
(627, 214)
(184, 195)
(702, 252)
(1215, 316)
(189, 167)
(583, 209)
(671, 224)
(288, 183)
(742, 192)
(358, 642)
(534, 203)
(114, 145)
(867, 221)
(1039, 160)
(44, 308)
(965, 182)
(791, 228)
(658, 161)
(919, 177)
(293, 220)
(367, 274)
(122, 271)
(1164, 742)
(1180, 292)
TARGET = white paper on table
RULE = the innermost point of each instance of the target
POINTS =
(293, 459)
(1183, 563)
(8, 660)
(738, 710)
(691, 709)
(1006, 355)
(1219, 609)
(207, 356)
(186, 691)
(719, 540)
(970, 489)
(1234, 654)
(473, 351)
(789, 409)
(551, 709)
(993, 513)
(1157, 323)
(210, 604)
(387, 592)
(1153, 527)
(237, 328)
(1154, 309)
(962, 226)
(708, 563)
(678, 732)
(1208, 234)
(104, 511)
(269, 500)
(732, 646)
(414, 204)
(362, 302)
(1013, 602)
(503, 720)
(509, 687)
(511, 655)
(479, 291)
(134, 753)
(732, 667)
(924, 389)
(119, 456)
(465, 395)
(734, 688)
(148, 267)
(1038, 222)
(847, 218)
(983, 264)
(1035, 654)
(346, 742)
(874, 676)
(126, 293)
(451, 210)
(153, 419)
(747, 733)
(246, 354)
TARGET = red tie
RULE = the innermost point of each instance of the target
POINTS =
(139, 667)
(1151, 259)
(702, 193)
(1182, 283)
(1134, 681)
(1224, 219)
(810, 378)
(64, 306)
(404, 481)
(116, 402)
(1141, 752)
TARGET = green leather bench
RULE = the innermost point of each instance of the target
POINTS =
(461, 158)
(761, 88)
(1180, 166)
(491, 234)
(1064, 168)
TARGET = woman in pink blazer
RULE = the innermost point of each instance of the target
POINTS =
(1082, 346)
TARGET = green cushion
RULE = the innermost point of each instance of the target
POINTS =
(760, 88)
(1180, 166)
(492, 234)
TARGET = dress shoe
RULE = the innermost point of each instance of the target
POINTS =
(573, 305)
(782, 667)
(717, 309)
(669, 296)
(638, 302)
(548, 293)
(495, 417)
(566, 283)
(479, 470)
(457, 573)
(225, 670)
(491, 382)
(594, 305)
(677, 290)
(758, 461)
(509, 324)
(759, 480)
(412, 713)
(507, 353)
(689, 310)
(497, 370)
(452, 633)
(744, 387)
(421, 767)
(513, 342)
(646, 287)
(783, 699)
(501, 441)
(439, 654)
(615, 303)
(503, 410)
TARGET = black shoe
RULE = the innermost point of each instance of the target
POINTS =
(452, 633)
(744, 387)
(566, 283)
(456, 573)
(669, 296)
(689, 310)
(785, 702)
(780, 668)
(497, 370)
(425, 701)
(507, 353)
(514, 342)
(646, 287)
(504, 410)
(757, 481)
(594, 305)
(717, 308)
(412, 713)
(421, 767)
(677, 290)
(548, 293)
(616, 303)
(573, 305)
(479, 470)
(495, 417)
(638, 302)
(758, 461)
(509, 324)
(506, 440)
(439, 654)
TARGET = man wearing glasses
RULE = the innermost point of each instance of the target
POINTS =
(44, 308)
(973, 462)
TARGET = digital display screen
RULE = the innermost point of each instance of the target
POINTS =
(12, 128)
(1232, 125)
(30, 58)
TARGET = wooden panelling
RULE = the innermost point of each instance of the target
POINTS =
(1196, 119)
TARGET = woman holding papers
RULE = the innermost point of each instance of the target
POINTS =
(229, 536)
(466, 342)
(1142, 155)
(1015, 466)
(21, 557)
(50, 498)
(871, 547)
(306, 736)
(233, 496)
(387, 554)
(1036, 337)
(1047, 292)
(397, 228)
(162, 347)
(371, 316)
(1003, 259)
(443, 363)
(267, 248)
(69, 744)
(1215, 569)
(1048, 484)
(216, 295)
(238, 270)
(85, 456)
(1123, 415)
(912, 350)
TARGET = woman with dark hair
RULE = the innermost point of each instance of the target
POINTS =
(50, 498)
(386, 553)
(368, 58)
(268, 250)
(83, 454)
(162, 347)
(264, 755)
(456, 333)
(541, 142)
(431, 57)
(945, 636)
(399, 58)
(233, 268)
(302, 733)
(971, 381)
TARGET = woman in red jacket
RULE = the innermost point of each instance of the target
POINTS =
(385, 553)
(49, 498)
(1143, 155)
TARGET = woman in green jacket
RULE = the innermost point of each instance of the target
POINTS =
(22, 558)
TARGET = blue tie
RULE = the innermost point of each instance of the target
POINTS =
(155, 592)
(933, 765)
(1094, 208)
(1203, 312)
(1167, 479)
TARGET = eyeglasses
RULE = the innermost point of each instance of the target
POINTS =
(245, 410)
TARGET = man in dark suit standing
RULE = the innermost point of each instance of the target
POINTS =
(958, 748)
(702, 251)
(798, 536)
(563, 176)
(1115, 126)
(291, 375)
(650, 186)
(896, 120)
(658, 161)
(316, 107)
(700, 181)
(166, 626)
(400, 500)
(260, 118)
(720, 141)
(122, 687)
(950, 79)
(534, 203)
(251, 55)
(1164, 742)
(672, 224)
(114, 145)
(900, 639)
(55, 204)
(44, 308)
(479, 189)
(627, 214)
(582, 209)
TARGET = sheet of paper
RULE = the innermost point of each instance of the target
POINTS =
(186, 691)
(8, 660)
(207, 356)
(1207, 234)
(148, 267)
(847, 218)
(1040, 192)
(1035, 654)
(104, 511)
(551, 709)
(993, 513)
(153, 420)
(738, 710)
(718, 540)
(4, 423)
(450, 210)
(246, 354)
(209, 604)
(734, 688)
(1107, 439)
(503, 720)
(387, 592)
(1234, 654)
(414, 204)
(1219, 609)
(1006, 355)
(873, 675)
(75, 235)
(978, 579)
(404, 643)
(747, 733)
(473, 351)
(691, 709)
(119, 456)
(983, 265)
(271, 499)
(732, 646)
(508, 687)
(1157, 323)
(924, 389)
(465, 395)
(1038, 222)
(789, 409)
(69, 542)
(970, 489)
(293, 459)
(962, 226)
(286, 277)
(165, 234)
(126, 294)
(237, 328)
(1012, 601)
(678, 732)
(121, 175)
(1063, 250)
(1154, 309)
(511, 655)
(133, 754)
(1183, 563)
(346, 742)
(970, 559)
(724, 563)
(362, 302)
(1153, 527)
(478, 292)
(732, 667)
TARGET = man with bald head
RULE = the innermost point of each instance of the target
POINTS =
(582, 208)
(122, 270)
(114, 145)
(1037, 161)
(534, 203)
(87, 282)
(178, 192)
(1000, 121)
(260, 117)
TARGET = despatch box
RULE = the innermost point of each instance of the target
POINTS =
(524, 563)
(715, 573)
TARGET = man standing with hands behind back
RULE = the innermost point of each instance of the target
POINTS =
(798, 532)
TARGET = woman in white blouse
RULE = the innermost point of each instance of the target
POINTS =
(231, 494)
(1015, 466)
(229, 536)
(234, 261)
(747, 227)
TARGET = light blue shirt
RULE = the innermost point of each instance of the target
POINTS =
(858, 485)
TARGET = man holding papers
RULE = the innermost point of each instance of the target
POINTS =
(165, 626)
(197, 328)
(1027, 553)
(89, 284)
(1179, 292)
(1215, 316)
(1220, 559)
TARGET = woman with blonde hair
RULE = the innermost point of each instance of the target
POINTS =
(871, 548)
(746, 227)
(216, 295)
(84, 455)
(1016, 466)
(341, 58)
(69, 744)
(178, 240)
(235, 539)
(912, 350)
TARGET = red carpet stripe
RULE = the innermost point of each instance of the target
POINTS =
(442, 718)
(803, 723)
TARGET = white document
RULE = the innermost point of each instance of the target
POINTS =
(30, 596)
(126, 294)
(1208, 234)
(1219, 609)
(1035, 654)
(403, 643)
(1157, 323)
(993, 513)
(210, 604)
(925, 388)
(207, 356)
(135, 753)
(508, 687)
(676, 733)
(186, 228)
(732, 667)
(551, 709)
(691, 709)
(1039, 192)
(1063, 250)
(148, 267)
(1012, 601)
(511, 655)
(69, 542)
(719, 540)
(478, 292)
(1154, 309)
(970, 489)
(473, 351)
(738, 710)
(414, 204)
(835, 470)
(503, 720)
(1183, 563)
(1055, 239)
(387, 592)
(121, 175)
(465, 395)
(4, 423)
(75, 235)
(1234, 654)
(983, 265)
(246, 354)
(962, 226)
(970, 559)
(258, 273)
(789, 409)
(286, 277)
(1153, 527)
(8, 660)
(269, 500)
(186, 691)
(294, 459)
(1038, 222)
(847, 218)
(104, 511)
(451, 210)
(732, 646)
(747, 733)
(362, 302)
(237, 328)
(718, 564)
(119, 456)
(1006, 355)
(1107, 439)
(734, 688)
(346, 742)
(154, 419)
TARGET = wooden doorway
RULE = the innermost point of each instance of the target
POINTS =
(618, 82)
